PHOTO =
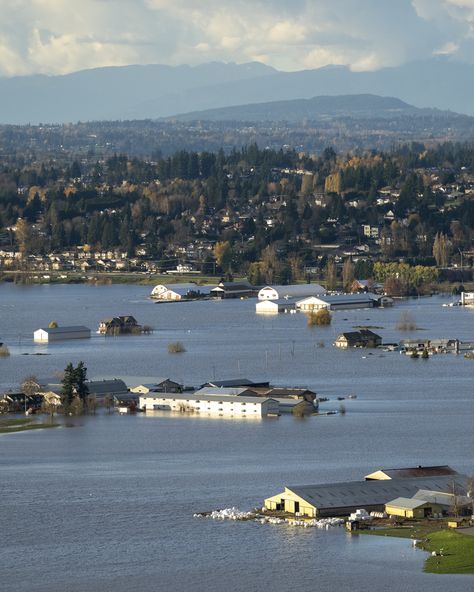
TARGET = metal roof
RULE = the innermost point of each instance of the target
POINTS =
(343, 298)
(371, 493)
(409, 503)
(71, 329)
(411, 472)
(196, 398)
(223, 391)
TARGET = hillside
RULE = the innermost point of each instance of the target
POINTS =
(155, 91)
(364, 106)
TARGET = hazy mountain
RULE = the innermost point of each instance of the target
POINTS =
(356, 106)
(138, 92)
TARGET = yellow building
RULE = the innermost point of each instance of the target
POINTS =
(407, 507)
(289, 501)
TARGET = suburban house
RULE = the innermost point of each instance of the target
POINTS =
(176, 292)
(275, 306)
(161, 385)
(119, 325)
(341, 499)
(216, 405)
(361, 338)
(47, 335)
(233, 290)
(291, 291)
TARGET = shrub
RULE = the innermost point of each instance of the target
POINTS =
(176, 347)
(4, 351)
(320, 318)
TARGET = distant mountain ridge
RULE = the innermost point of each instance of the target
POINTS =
(156, 91)
(358, 106)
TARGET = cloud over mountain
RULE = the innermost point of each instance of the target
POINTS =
(60, 36)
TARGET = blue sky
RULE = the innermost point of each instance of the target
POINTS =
(60, 36)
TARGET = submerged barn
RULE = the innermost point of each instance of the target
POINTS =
(341, 499)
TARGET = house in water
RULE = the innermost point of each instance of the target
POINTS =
(119, 325)
(47, 335)
(361, 338)
(291, 291)
(214, 405)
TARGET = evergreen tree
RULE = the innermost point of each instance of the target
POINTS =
(68, 385)
(80, 377)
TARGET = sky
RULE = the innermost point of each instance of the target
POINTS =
(62, 36)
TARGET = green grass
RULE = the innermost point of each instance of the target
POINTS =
(457, 553)
(10, 426)
(457, 548)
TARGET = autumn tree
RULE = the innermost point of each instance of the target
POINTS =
(331, 274)
(348, 274)
(223, 254)
(441, 249)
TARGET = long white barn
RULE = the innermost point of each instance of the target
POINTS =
(46, 334)
(225, 405)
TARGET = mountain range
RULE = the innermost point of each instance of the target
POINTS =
(156, 91)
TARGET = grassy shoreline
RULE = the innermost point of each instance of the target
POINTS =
(12, 426)
(454, 550)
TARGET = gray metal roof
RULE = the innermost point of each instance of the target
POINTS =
(371, 493)
(412, 472)
(223, 391)
(71, 329)
(195, 397)
(106, 387)
(345, 298)
(297, 290)
(409, 503)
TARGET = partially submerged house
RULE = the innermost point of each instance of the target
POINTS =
(119, 325)
(47, 334)
(361, 338)
(335, 302)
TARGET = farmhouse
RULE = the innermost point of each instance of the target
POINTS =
(291, 291)
(46, 334)
(119, 325)
(216, 405)
(362, 338)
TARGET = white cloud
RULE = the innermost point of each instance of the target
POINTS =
(59, 36)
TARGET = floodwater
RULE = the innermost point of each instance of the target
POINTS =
(106, 503)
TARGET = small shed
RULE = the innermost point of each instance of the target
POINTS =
(408, 507)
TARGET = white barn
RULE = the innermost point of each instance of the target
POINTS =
(217, 405)
(292, 291)
(275, 306)
(46, 335)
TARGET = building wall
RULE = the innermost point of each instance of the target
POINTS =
(286, 502)
(266, 307)
(232, 406)
(413, 513)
